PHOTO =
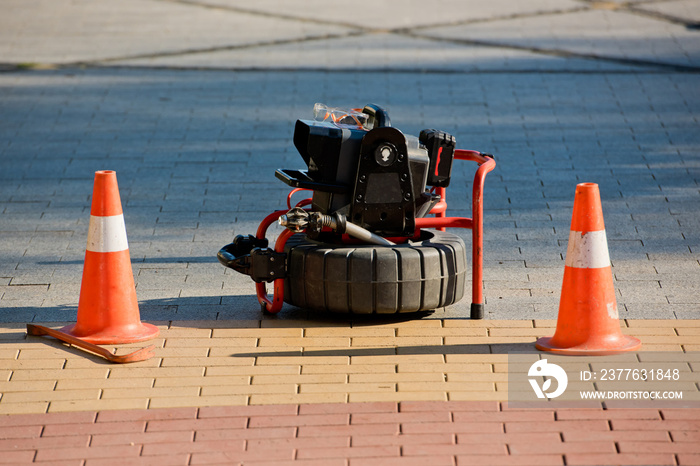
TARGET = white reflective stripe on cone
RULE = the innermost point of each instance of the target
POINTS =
(587, 250)
(107, 234)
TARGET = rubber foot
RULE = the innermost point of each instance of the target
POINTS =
(477, 311)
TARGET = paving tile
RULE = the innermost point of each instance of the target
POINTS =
(236, 411)
(600, 435)
(355, 408)
(221, 446)
(48, 419)
(167, 438)
(377, 451)
(260, 445)
(147, 415)
(34, 443)
(18, 457)
(364, 397)
(203, 400)
(403, 439)
(60, 406)
(262, 399)
(563, 448)
(629, 458)
(50, 396)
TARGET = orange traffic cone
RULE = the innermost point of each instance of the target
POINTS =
(588, 321)
(108, 311)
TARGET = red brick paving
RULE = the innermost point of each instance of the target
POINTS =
(382, 433)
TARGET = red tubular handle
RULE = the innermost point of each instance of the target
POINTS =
(486, 165)
(476, 223)
(273, 306)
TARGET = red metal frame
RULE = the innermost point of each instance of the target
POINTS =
(440, 222)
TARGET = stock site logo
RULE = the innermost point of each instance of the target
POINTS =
(544, 369)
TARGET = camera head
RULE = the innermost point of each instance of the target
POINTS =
(365, 169)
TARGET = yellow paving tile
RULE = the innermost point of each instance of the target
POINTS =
(445, 386)
(286, 351)
(91, 361)
(488, 340)
(673, 339)
(49, 352)
(383, 377)
(97, 405)
(640, 331)
(477, 377)
(295, 323)
(214, 324)
(202, 381)
(424, 323)
(489, 358)
(13, 337)
(218, 390)
(395, 359)
(299, 379)
(500, 367)
(299, 360)
(185, 332)
(348, 369)
(24, 408)
(230, 351)
(448, 323)
(149, 392)
(350, 332)
(477, 396)
(129, 372)
(661, 323)
(664, 347)
(9, 353)
(445, 367)
(73, 384)
(236, 333)
(302, 398)
(309, 342)
(178, 402)
(26, 386)
(246, 342)
(396, 396)
(157, 342)
(217, 371)
(374, 351)
(56, 374)
(50, 395)
(347, 387)
(20, 364)
(205, 362)
(182, 352)
(441, 331)
(397, 341)
(646, 356)
(519, 332)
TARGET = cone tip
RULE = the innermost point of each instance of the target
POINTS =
(105, 194)
(587, 214)
(587, 185)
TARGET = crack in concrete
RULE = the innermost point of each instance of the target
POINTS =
(563, 53)
(412, 32)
